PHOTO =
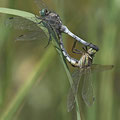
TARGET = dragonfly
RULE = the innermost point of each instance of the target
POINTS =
(49, 20)
(85, 68)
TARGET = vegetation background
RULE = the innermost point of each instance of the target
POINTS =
(94, 21)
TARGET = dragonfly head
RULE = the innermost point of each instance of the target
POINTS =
(44, 12)
(91, 52)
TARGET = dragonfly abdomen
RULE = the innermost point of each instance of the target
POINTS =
(72, 61)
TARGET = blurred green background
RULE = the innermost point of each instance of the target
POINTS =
(94, 21)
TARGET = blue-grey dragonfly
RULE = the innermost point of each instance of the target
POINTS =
(84, 67)
(50, 20)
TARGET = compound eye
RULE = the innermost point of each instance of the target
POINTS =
(46, 11)
(43, 12)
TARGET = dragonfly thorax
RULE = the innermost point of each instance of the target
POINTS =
(85, 60)
(51, 18)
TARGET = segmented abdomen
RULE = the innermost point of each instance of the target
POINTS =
(72, 61)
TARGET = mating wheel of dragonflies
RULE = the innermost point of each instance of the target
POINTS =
(84, 67)
(49, 20)
(52, 21)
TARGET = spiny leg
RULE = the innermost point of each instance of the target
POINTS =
(57, 48)
(49, 28)
(38, 17)
(49, 40)
(85, 48)
(74, 50)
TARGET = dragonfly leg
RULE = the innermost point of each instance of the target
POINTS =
(85, 48)
(38, 17)
(50, 38)
(74, 50)
(57, 48)
(40, 22)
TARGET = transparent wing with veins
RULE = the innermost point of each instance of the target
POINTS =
(101, 68)
(31, 36)
(21, 23)
(40, 4)
(74, 89)
(87, 89)
(34, 32)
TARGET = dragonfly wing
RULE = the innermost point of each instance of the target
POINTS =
(76, 80)
(70, 100)
(40, 4)
(87, 89)
(100, 68)
(33, 35)
(74, 89)
(21, 23)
